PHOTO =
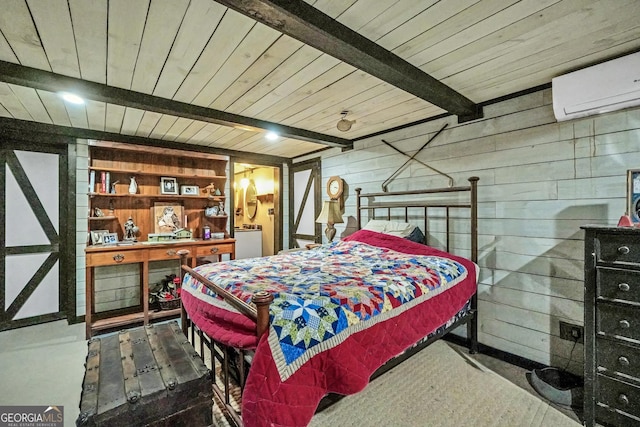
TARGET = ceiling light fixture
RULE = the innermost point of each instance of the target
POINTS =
(344, 124)
(271, 136)
(72, 98)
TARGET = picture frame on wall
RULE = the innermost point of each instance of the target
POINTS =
(168, 185)
(96, 236)
(633, 195)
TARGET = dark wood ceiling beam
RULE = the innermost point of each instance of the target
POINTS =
(45, 80)
(305, 23)
(17, 129)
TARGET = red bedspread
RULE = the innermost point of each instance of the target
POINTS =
(344, 368)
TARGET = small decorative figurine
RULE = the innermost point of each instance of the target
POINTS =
(97, 212)
(113, 187)
(221, 209)
(133, 186)
(130, 230)
(210, 211)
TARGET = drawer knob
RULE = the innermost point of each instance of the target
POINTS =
(623, 250)
(171, 252)
(624, 287)
(622, 398)
(214, 250)
(118, 257)
(623, 361)
(624, 324)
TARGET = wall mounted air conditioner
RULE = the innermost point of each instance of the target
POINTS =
(610, 86)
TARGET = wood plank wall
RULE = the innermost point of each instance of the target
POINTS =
(539, 182)
(82, 227)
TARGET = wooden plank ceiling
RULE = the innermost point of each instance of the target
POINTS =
(198, 73)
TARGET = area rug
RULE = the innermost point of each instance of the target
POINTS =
(439, 386)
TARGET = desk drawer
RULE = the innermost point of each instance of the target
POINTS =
(618, 394)
(622, 249)
(221, 248)
(167, 253)
(114, 257)
(617, 319)
(617, 357)
(613, 283)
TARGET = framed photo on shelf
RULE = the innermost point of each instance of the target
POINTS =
(97, 235)
(168, 185)
(189, 190)
(167, 217)
(110, 238)
(633, 195)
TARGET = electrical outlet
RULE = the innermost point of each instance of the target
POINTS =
(571, 332)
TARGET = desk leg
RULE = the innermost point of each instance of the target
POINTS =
(145, 292)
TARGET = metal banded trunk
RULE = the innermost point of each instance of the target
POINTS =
(147, 376)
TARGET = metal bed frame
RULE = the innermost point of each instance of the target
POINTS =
(234, 361)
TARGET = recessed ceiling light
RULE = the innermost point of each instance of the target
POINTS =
(271, 136)
(70, 97)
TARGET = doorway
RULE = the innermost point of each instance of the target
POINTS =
(257, 220)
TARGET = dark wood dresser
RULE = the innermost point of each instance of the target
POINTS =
(612, 326)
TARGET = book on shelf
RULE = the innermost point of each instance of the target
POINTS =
(103, 181)
(92, 181)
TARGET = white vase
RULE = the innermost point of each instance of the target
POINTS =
(133, 186)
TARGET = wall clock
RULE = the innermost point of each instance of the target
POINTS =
(335, 187)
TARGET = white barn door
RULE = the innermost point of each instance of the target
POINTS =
(305, 203)
(31, 290)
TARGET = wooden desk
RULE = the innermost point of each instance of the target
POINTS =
(143, 253)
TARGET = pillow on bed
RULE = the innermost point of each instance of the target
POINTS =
(399, 229)
(416, 236)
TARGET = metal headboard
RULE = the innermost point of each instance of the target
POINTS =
(472, 205)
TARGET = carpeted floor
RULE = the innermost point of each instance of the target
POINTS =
(439, 386)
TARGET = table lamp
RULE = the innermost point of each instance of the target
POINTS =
(330, 215)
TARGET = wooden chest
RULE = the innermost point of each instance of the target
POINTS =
(147, 376)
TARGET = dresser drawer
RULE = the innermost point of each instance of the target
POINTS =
(618, 249)
(114, 257)
(618, 394)
(609, 417)
(166, 253)
(616, 319)
(617, 357)
(613, 283)
(222, 248)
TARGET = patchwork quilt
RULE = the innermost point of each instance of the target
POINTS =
(340, 311)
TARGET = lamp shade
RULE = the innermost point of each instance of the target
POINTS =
(330, 213)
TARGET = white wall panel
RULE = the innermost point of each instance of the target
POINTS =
(539, 182)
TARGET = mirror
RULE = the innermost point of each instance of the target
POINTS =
(251, 200)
